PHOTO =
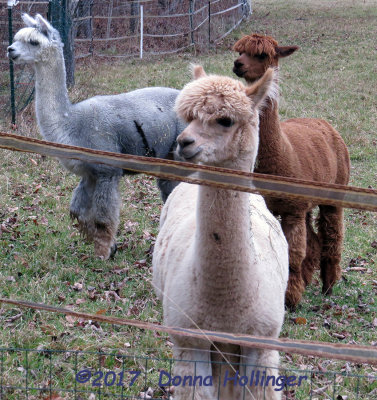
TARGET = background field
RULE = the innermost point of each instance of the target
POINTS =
(43, 259)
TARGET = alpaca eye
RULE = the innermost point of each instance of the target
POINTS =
(261, 56)
(34, 42)
(225, 122)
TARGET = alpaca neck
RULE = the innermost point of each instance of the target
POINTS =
(271, 140)
(51, 98)
(222, 242)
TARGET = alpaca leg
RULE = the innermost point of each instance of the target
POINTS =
(195, 362)
(262, 366)
(166, 187)
(312, 259)
(81, 204)
(225, 366)
(294, 228)
(105, 215)
(330, 230)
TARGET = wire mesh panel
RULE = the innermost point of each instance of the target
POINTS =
(10, 23)
(66, 374)
(114, 28)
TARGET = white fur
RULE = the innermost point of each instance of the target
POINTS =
(220, 261)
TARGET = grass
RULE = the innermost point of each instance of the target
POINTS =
(43, 259)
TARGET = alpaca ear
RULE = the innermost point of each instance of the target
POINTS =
(198, 71)
(44, 26)
(263, 88)
(29, 21)
(285, 51)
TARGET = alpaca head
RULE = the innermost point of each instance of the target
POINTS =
(257, 54)
(223, 119)
(35, 42)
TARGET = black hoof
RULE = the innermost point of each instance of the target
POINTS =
(113, 250)
(327, 291)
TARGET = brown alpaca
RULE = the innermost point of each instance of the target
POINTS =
(304, 148)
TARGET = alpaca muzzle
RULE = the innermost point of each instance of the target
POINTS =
(237, 69)
(11, 53)
(186, 148)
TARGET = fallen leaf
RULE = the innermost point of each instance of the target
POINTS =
(300, 321)
(44, 220)
(14, 318)
(21, 260)
(3, 228)
(357, 269)
(71, 320)
(320, 390)
(148, 394)
(77, 286)
(326, 324)
(338, 335)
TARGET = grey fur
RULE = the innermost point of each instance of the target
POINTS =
(141, 122)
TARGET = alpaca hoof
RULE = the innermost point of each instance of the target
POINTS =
(327, 291)
(290, 307)
(105, 252)
(102, 252)
(292, 300)
(113, 250)
(73, 215)
(294, 291)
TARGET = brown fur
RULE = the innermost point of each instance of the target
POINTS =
(305, 148)
(257, 44)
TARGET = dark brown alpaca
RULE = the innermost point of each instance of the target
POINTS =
(304, 148)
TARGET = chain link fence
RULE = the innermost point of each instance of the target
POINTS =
(116, 29)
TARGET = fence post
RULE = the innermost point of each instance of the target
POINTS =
(61, 20)
(209, 23)
(91, 48)
(141, 31)
(109, 20)
(191, 7)
(11, 71)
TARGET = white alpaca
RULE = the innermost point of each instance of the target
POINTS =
(220, 261)
(142, 122)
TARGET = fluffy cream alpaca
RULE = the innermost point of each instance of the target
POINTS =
(221, 260)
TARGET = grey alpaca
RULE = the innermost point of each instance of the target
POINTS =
(141, 122)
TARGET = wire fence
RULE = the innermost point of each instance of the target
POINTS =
(288, 188)
(67, 374)
(114, 29)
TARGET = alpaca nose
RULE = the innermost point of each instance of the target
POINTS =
(184, 150)
(238, 64)
(185, 141)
